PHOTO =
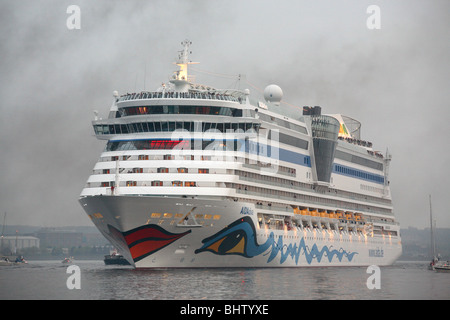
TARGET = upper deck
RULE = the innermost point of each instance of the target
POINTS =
(222, 95)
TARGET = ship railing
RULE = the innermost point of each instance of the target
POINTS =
(354, 207)
(258, 167)
(179, 95)
(300, 188)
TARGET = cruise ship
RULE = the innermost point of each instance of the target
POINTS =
(194, 176)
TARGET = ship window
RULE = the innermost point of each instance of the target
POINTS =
(155, 110)
(177, 183)
(237, 112)
(146, 144)
(156, 215)
(289, 140)
(216, 217)
(172, 126)
(131, 183)
(358, 160)
(189, 184)
(203, 170)
(157, 183)
(175, 109)
(206, 126)
(167, 215)
(163, 170)
(182, 170)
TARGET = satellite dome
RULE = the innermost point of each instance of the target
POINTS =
(273, 94)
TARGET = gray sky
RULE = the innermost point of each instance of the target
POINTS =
(394, 80)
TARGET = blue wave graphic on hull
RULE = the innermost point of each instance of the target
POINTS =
(294, 251)
(239, 238)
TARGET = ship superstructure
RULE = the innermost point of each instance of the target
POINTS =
(194, 176)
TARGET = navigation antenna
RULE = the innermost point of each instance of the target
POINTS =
(180, 78)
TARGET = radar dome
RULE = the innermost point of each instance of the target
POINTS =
(273, 94)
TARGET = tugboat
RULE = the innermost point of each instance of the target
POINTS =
(115, 259)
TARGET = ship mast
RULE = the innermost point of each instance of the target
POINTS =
(433, 243)
(180, 78)
(3, 232)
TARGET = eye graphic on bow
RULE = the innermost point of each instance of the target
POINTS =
(237, 238)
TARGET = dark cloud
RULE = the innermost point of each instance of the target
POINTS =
(394, 80)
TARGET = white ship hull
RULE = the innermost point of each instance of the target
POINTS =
(196, 177)
(149, 233)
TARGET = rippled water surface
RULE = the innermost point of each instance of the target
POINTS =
(48, 280)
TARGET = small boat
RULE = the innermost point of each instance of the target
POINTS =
(442, 267)
(67, 260)
(436, 264)
(6, 261)
(20, 259)
(435, 259)
(116, 259)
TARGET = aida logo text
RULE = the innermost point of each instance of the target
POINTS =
(247, 211)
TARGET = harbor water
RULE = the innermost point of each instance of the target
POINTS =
(42, 280)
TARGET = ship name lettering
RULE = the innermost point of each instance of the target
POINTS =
(379, 253)
(247, 211)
